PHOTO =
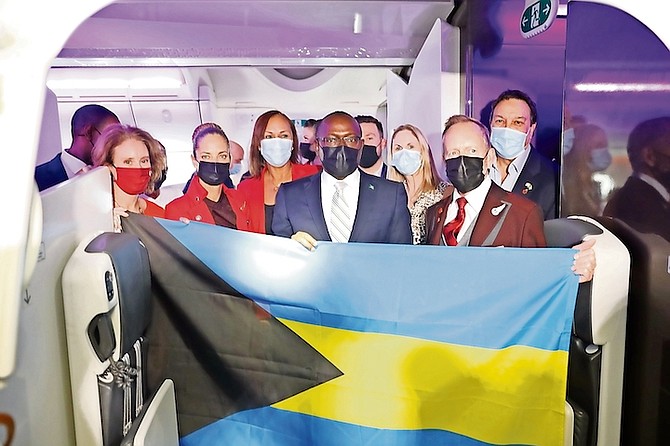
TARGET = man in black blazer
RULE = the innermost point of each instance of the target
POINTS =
(371, 160)
(378, 207)
(519, 167)
(643, 203)
(88, 122)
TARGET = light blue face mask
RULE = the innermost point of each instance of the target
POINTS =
(568, 140)
(407, 161)
(509, 143)
(601, 159)
(235, 168)
(276, 151)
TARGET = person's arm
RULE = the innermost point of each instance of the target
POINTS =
(533, 230)
(281, 224)
(401, 230)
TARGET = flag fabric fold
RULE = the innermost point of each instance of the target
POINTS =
(357, 344)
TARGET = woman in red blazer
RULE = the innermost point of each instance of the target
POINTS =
(273, 160)
(207, 199)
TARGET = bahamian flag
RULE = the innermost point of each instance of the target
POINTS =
(357, 344)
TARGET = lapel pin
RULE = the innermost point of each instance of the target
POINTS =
(371, 186)
(497, 210)
(527, 188)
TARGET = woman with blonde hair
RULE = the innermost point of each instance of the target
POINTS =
(273, 160)
(136, 162)
(411, 163)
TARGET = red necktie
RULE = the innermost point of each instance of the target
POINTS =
(451, 229)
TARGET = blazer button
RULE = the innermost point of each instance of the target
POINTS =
(198, 217)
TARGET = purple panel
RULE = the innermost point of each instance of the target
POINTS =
(503, 60)
(617, 75)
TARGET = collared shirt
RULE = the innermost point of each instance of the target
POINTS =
(513, 171)
(653, 182)
(71, 163)
(378, 172)
(328, 181)
(474, 206)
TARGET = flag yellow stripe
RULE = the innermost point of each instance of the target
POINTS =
(510, 396)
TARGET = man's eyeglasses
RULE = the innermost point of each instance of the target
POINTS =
(334, 141)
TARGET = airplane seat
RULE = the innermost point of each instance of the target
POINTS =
(107, 307)
(646, 402)
(595, 361)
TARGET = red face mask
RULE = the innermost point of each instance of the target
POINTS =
(133, 180)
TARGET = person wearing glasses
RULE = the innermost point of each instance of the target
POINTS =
(273, 160)
(342, 203)
(88, 122)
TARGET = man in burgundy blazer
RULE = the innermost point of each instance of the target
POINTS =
(506, 219)
(493, 217)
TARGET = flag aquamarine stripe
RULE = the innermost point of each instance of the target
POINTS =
(393, 288)
(273, 427)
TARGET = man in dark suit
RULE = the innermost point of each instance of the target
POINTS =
(643, 202)
(371, 161)
(518, 166)
(492, 216)
(88, 122)
(341, 203)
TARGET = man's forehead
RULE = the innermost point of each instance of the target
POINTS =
(462, 135)
(369, 127)
(339, 123)
(514, 108)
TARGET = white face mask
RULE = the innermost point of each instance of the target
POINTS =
(407, 161)
(509, 143)
(601, 159)
(235, 168)
(568, 140)
(276, 151)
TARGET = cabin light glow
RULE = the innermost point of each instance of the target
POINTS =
(158, 82)
(612, 87)
(276, 267)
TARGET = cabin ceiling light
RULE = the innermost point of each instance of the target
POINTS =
(612, 87)
(358, 23)
(110, 83)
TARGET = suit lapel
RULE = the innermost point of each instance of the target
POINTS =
(530, 170)
(492, 211)
(438, 214)
(366, 200)
(313, 197)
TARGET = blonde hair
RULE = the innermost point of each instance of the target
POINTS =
(114, 135)
(428, 171)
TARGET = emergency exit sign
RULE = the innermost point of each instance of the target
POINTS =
(537, 16)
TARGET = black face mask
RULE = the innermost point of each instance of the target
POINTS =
(214, 173)
(306, 151)
(161, 180)
(368, 156)
(340, 161)
(465, 172)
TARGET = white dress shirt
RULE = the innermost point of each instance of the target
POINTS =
(71, 163)
(328, 181)
(475, 199)
(513, 171)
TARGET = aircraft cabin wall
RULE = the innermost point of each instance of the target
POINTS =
(233, 97)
